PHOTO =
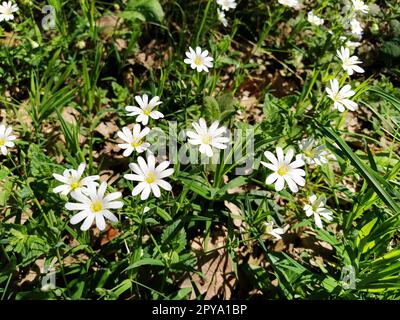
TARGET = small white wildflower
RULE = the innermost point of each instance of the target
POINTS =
(6, 138)
(285, 171)
(146, 109)
(290, 3)
(134, 140)
(7, 10)
(360, 6)
(199, 59)
(313, 154)
(312, 18)
(95, 205)
(72, 180)
(349, 63)
(222, 18)
(356, 27)
(150, 177)
(207, 138)
(275, 232)
(340, 96)
(227, 4)
(317, 209)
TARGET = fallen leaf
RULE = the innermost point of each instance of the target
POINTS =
(216, 265)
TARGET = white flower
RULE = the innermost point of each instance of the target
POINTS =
(81, 44)
(94, 206)
(339, 97)
(7, 10)
(134, 139)
(227, 4)
(275, 232)
(198, 59)
(353, 44)
(207, 137)
(149, 176)
(72, 181)
(146, 109)
(6, 139)
(317, 209)
(311, 154)
(284, 171)
(356, 27)
(349, 63)
(348, 43)
(360, 6)
(221, 18)
(314, 19)
(34, 44)
(290, 3)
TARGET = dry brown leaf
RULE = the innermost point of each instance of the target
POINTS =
(70, 114)
(107, 129)
(110, 149)
(110, 234)
(121, 44)
(23, 115)
(108, 24)
(235, 212)
(10, 39)
(216, 265)
(109, 176)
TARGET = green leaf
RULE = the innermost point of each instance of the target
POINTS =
(174, 237)
(369, 175)
(6, 185)
(40, 164)
(146, 262)
(163, 214)
(132, 16)
(197, 184)
(211, 109)
(151, 9)
(122, 287)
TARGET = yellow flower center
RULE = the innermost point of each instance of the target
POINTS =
(2, 142)
(310, 153)
(283, 169)
(147, 111)
(198, 61)
(206, 139)
(96, 206)
(151, 177)
(268, 228)
(75, 185)
(136, 143)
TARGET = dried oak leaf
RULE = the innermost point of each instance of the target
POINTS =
(215, 264)
(107, 129)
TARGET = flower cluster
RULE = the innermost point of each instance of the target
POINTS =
(92, 203)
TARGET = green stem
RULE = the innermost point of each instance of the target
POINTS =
(6, 287)
(203, 21)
